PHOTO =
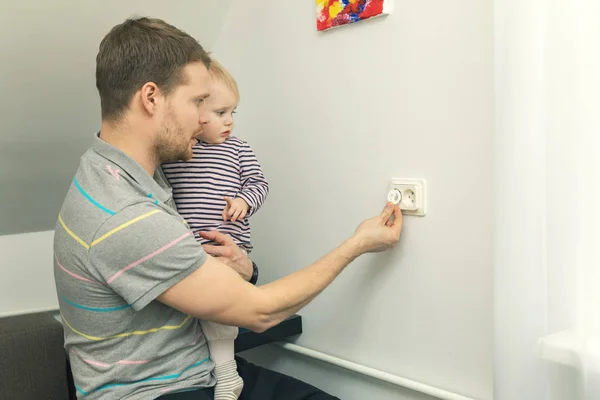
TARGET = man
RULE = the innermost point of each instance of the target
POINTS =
(131, 279)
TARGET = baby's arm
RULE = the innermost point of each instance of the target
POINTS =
(255, 187)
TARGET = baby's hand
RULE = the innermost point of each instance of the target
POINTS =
(235, 209)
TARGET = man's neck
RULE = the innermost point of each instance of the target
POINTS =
(130, 143)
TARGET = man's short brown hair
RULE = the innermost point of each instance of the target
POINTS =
(138, 51)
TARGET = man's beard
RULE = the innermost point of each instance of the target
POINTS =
(171, 145)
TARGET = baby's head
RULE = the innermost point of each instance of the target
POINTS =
(220, 105)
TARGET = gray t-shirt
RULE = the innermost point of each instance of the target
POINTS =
(119, 243)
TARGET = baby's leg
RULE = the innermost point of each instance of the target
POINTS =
(220, 340)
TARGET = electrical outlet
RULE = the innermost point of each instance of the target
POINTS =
(409, 194)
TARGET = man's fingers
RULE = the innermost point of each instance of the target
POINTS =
(398, 217)
(216, 236)
(216, 251)
(395, 221)
(387, 212)
(209, 235)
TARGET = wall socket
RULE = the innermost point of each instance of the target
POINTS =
(409, 194)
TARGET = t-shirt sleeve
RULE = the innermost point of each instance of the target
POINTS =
(142, 251)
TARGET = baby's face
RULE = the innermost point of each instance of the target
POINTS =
(221, 105)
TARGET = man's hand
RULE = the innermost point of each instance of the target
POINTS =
(381, 232)
(235, 209)
(228, 253)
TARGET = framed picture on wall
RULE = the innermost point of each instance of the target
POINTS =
(335, 13)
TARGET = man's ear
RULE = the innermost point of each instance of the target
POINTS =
(150, 97)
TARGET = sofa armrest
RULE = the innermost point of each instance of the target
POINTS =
(32, 358)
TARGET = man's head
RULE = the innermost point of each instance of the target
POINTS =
(221, 105)
(154, 76)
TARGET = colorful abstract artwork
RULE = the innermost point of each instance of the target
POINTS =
(333, 13)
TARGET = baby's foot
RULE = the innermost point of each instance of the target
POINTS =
(229, 383)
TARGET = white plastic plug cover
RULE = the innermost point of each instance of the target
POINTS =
(394, 196)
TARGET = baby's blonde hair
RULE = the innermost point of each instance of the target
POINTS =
(219, 73)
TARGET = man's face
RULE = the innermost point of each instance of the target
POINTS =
(184, 116)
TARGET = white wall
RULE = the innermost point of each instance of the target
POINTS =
(50, 109)
(520, 278)
(27, 282)
(546, 263)
(333, 116)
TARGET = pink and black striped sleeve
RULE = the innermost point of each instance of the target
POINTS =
(255, 186)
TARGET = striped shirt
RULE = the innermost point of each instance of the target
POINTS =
(118, 244)
(215, 171)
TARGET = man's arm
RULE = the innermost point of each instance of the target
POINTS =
(217, 293)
